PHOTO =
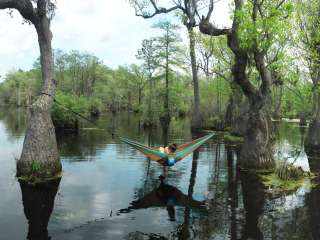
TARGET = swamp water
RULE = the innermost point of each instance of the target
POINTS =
(111, 191)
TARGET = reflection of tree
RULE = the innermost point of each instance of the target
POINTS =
(184, 229)
(88, 140)
(312, 202)
(15, 121)
(253, 201)
(313, 198)
(38, 203)
(224, 196)
(232, 192)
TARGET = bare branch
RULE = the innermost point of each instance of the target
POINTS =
(280, 4)
(157, 10)
(210, 10)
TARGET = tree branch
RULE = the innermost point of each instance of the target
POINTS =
(208, 28)
(211, 5)
(157, 10)
(25, 8)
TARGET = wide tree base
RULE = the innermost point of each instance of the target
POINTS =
(40, 158)
(257, 149)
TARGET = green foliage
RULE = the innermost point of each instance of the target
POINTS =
(264, 23)
(20, 88)
(35, 166)
(62, 116)
(232, 139)
(286, 171)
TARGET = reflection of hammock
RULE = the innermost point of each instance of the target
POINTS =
(165, 196)
(182, 151)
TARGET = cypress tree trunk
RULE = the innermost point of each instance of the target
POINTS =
(236, 117)
(257, 149)
(196, 118)
(313, 136)
(40, 157)
(165, 118)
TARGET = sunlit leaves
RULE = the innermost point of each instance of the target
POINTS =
(264, 23)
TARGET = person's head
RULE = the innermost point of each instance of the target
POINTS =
(173, 147)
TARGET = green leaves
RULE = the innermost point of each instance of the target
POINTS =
(264, 23)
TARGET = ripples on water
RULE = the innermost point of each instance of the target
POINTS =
(111, 191)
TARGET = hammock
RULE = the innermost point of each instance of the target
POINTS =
(169, 159)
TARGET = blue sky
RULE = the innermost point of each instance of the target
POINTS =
(108, 29)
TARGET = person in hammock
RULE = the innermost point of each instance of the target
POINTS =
(169, 149)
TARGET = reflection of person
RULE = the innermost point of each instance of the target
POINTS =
(170, 149)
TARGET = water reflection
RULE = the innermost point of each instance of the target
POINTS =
(15, 121)
(253, 200)
(313, 198)
(38, 203)
(312, 202)
(233, 179)
(166, 196)
(169, 196)
(202, 197)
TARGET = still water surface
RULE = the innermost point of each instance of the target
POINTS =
(111, 191)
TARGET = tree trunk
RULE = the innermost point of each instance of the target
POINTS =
(278, 104)
(313, 138)
(165, 117)
(40, 157)
(166, 105)
(196, 118)
(236, 117)
(257, 149)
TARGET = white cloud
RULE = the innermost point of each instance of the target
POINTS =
(107, 28)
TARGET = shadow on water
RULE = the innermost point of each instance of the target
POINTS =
(38, 203)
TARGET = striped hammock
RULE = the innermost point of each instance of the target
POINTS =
(169, 159)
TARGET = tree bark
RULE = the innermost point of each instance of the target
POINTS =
(196, 117)
(236, 117)
(40, 157)
(313, 137)
(166, 104)
(165, 118)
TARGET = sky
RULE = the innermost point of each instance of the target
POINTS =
(108, 29)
